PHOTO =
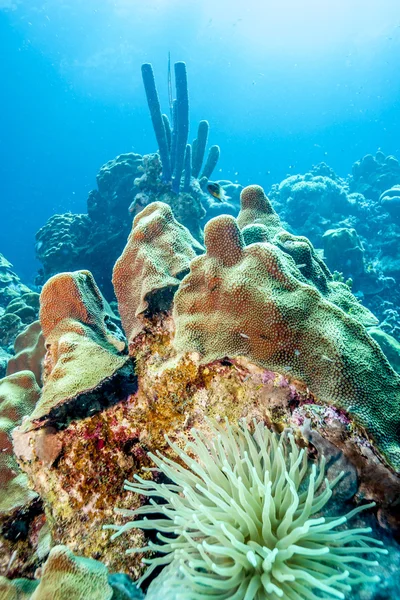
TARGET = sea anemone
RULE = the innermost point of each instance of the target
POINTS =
(242, 520)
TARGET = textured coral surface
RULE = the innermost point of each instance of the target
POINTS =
(250, 301)
(156, 257)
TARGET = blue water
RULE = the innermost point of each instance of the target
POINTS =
(283, 84)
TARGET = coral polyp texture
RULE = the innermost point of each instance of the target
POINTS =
(77, 332)
(243, 519)
(18, 395)
(29, 352)
(260, 223)
(250, 300)
(154, 261)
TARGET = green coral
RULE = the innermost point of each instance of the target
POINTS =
(246, 520)
(252, 301)
(259, 222)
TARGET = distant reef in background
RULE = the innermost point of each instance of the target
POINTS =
(353, 222)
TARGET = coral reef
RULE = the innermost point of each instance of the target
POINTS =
(19, 306)
(372, 175)
(301, 193)
(10, 284)
(390, 201)
(92, 241)
(29, 352)
(255, 326)
(251, 324)
(354, 220)
(60, 243)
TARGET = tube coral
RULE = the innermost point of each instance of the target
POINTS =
(199, 147)
(246, 520)
(211, 162)
(157, 118)
(181, 124)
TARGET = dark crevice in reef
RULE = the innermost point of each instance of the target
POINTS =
(16, 528)
(109, 392)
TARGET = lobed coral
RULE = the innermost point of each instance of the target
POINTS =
(18, 395)
(155, 259)
(260, 223)
(77, 332)
(250, 301)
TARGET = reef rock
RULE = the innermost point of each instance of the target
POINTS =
(372, 175)
(19, 306)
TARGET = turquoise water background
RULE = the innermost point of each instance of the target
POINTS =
(283, 84)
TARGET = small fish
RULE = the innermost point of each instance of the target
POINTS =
(246, 337)
(324, 357)
(301, 266)
(217, 191)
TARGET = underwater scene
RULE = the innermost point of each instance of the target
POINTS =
(200, 300)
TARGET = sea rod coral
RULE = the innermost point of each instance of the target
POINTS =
(245, 516)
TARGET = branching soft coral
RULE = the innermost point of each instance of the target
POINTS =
(246, 521)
